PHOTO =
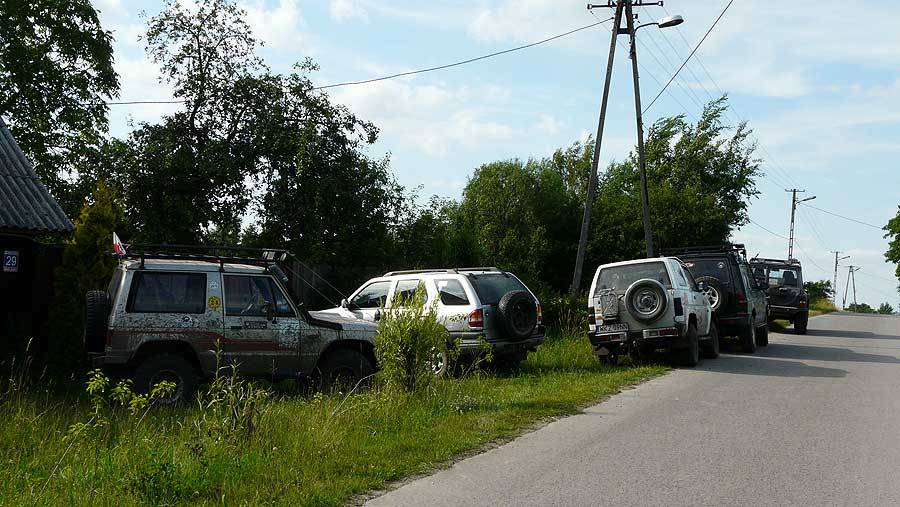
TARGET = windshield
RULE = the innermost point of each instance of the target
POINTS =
(619, 278)
(716, 268)
(491, 287)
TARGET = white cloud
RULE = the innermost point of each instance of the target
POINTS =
(525, 20)
(347, 9)
(549, 125)
(279, 27)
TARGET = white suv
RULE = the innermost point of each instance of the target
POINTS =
(650, 304)
(472, 303)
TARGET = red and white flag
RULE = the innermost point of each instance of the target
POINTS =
(118, 247)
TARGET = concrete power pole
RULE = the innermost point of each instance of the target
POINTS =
(853, 276)
(794, 203)
(595, 161)
(850, 276)
(835, 286)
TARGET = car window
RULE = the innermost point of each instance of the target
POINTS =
(620, 278)
(490, 287)
(690, 279)
(114, 285)
(405, 292)
(282, 307)
(168, 293)
(373, 295)
(784, 277)
(716, 268)
(247, 296)
(680, 279)
(452, 293)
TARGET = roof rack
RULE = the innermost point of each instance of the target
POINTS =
(450, 271)
(710, 249)
(206, 253)
(789, 262)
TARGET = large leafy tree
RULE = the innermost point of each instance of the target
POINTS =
(819, 291)
(56, 71)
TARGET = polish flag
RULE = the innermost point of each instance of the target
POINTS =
(118, 247)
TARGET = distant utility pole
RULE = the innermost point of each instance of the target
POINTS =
(835, 286)
(794, 203)
(850, 276)
(623, 9)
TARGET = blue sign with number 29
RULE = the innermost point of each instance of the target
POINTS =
(10, 261)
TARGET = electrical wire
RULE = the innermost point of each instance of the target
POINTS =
(767, 229)
(842, 216)
(716, 22)
(393, 76)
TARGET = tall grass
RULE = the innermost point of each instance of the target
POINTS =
(318, 450)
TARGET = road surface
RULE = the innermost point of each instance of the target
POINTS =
(809, 420)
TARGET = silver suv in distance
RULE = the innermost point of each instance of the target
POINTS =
(649, 304)
(476, 305)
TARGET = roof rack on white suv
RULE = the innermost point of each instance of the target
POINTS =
(451, 270)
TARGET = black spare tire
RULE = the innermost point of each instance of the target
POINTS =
(646, 300)
(518, 314)
(96, 315)
(715, 292)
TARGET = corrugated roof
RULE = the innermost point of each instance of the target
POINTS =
(25, 203)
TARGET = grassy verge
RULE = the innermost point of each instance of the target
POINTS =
(308, 451)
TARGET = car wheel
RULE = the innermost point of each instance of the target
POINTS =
(715, 292)
(800, 323)
(518, 314)
(646, 300)
(344, 369)
(710, 346)
(439, 362)
(762, 336)
(748, 338)
(96, 316)
(690, 355)
(508, 362)
(171, 368)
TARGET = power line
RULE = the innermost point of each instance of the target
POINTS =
(689, 56)
(845, 218)
(399, 74)
(766, 229)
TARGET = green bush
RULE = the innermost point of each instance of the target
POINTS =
(565, 314)
(409, 337)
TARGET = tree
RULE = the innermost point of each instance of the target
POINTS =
(893, 234)
(886, 309)
(56, 70)
(819, 291)
(860, 308)
(86, 265)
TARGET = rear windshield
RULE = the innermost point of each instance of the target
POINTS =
(716, 268)
(619, 278)
(491, 287)
(784, 277)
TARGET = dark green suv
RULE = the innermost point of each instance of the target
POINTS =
(738, 299)
(787, 298)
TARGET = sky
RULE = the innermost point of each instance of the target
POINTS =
(817, 81)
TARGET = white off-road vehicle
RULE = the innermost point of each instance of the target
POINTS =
(649, 304)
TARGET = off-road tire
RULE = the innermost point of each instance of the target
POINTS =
(508, 362)
(172, 367)
(96, 318)
(715, 284)
(518, 314)
(345, 368)
(635, 289)
(762, 336)
(709, 348)
(748, 338)
(690, 355)
(800, 323)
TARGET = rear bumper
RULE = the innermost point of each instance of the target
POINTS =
(673, 337)
(787, 312)
(471, 342)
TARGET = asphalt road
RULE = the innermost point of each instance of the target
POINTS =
(809, 420)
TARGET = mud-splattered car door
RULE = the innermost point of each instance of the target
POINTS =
(262, 328)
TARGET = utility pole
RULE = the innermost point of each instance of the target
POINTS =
(623, 8)
(853, 276)
(794, 203)
(850, 276)
(835, 286)
(595, 161)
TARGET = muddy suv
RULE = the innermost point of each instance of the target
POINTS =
(787, 296)
(736, 297)
(649, 304)
(179, 317)
(476, 305)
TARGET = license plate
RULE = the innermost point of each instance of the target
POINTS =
(612, 328)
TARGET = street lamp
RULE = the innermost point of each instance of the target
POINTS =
(623, 12)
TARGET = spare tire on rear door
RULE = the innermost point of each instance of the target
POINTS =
(518, 314)
(96, 316)
(646, 300)
(715, 292)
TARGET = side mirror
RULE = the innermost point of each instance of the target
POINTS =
(345, 303)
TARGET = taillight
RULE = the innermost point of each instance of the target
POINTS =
(741, 298)
(540, 314)
(476, 319)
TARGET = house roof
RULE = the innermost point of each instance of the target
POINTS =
(25, 203)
